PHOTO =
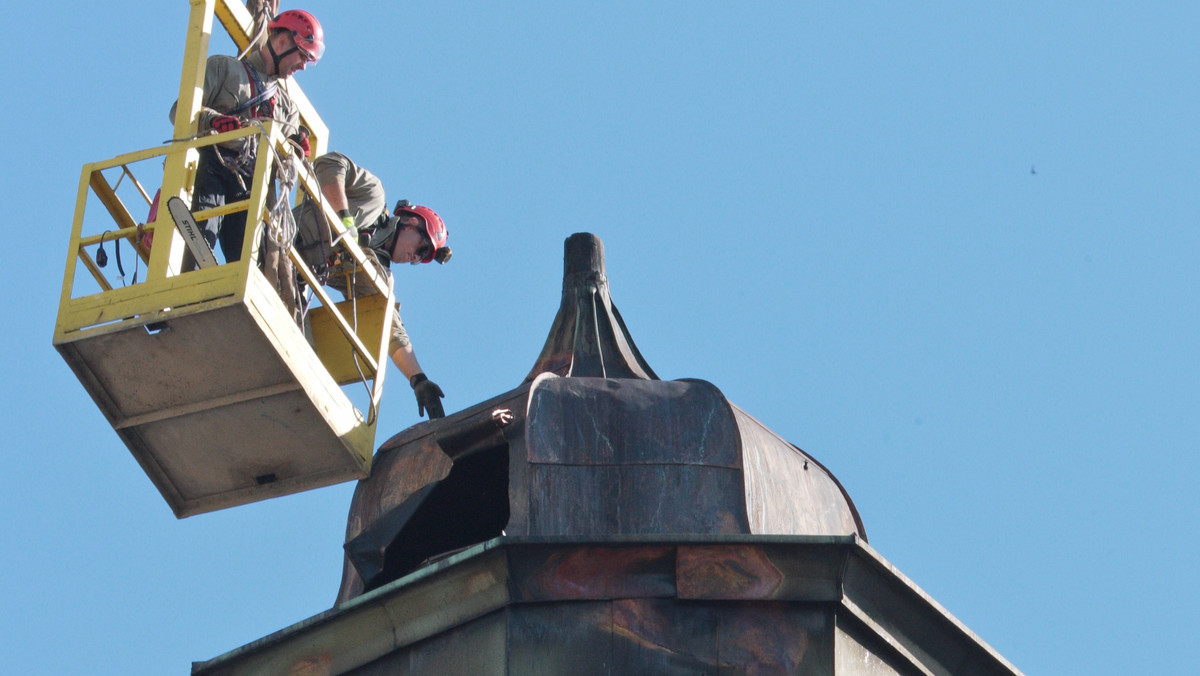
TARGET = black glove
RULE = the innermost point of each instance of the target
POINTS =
(429, 396)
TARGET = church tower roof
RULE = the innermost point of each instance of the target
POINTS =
(591, 444)
(597, 519)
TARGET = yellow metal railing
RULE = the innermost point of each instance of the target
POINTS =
(203, 372)
(106, 306)
(128, 229)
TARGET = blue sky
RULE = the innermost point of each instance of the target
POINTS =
(950, 251)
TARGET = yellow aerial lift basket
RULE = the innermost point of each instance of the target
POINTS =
(204, 373)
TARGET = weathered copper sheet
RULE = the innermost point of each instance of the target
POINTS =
(588, 336)
(608, 421)
(555, 572)
(610, 500)
(592, 445)
(743, 604)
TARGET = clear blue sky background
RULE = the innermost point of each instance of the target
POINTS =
(826, 209)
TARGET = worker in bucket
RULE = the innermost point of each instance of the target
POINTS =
(236, 92)
(409, 234)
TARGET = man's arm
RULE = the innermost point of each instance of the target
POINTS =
(335, 194)
(406, 360)
(216, 71)
(428, 394)
(332, 170)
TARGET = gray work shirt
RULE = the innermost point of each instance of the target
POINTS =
(367, 203)
(227, 86)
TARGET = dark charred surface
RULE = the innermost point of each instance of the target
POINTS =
(592, 444)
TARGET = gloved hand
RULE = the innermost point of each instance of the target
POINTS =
(224, 123)
(348, 222)
(429, 396)
(301, 139)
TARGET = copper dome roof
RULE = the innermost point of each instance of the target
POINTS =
(592, 444)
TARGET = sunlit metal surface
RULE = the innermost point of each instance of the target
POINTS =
(597, 445)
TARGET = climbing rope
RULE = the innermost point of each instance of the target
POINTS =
(261, 14)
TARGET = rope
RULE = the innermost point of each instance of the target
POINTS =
(280, 231)
(261, 14)
(362, 377)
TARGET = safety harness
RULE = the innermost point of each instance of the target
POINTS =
(260, 104)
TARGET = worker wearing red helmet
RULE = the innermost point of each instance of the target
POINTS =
(409, 234)
(414, 235)
(236, 92)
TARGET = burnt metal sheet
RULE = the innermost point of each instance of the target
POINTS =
(673, 427)
(406, 469)
(662, 636)
(774, 638)
(823, 596)
(368, 551)
(680, 499)
(379, 503)
(731, 572)
(660, 527)
(787, 490)
(560, 572)
(560, 638)
(759, 571)
(607, 450)
(396, 477)
(590, 500)
(573, 500)
(665, 636)
(473, 498)
(478, 648)
(857, 652)
(588, 336)
(606, 421)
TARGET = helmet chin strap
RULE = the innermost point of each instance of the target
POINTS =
(395, 236)
(279, 57)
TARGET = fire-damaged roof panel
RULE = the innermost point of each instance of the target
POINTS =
(591, 444)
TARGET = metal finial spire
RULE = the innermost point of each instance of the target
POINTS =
(588, 337)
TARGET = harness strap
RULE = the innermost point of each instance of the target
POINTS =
(264, 92)
(241, 166)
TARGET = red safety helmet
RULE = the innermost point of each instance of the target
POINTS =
(434, 228)
(305, 29)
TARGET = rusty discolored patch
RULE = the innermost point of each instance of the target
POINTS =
(597, 573)
(311, 665)
(725, 572)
